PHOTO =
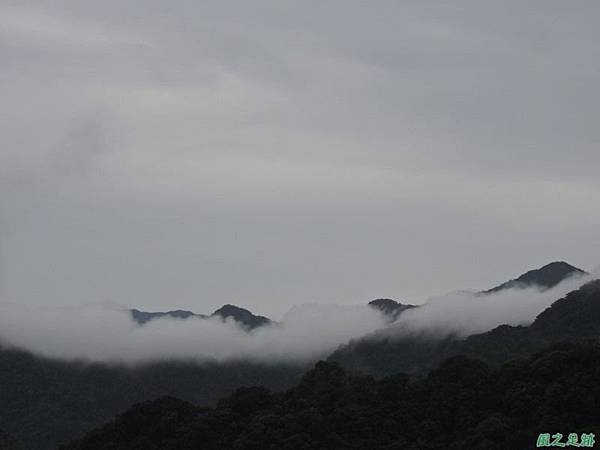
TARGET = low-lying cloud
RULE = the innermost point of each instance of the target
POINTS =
(108, 333)
(102, 332)
(464, 313)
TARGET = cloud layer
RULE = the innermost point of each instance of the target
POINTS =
(189, 154)
(465, 313)
(306, 333)
(105, 333)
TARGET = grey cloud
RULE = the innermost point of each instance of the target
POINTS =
(106, 332)
(188, 154)
(465, 313)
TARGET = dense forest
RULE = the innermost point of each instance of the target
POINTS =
(464, 404)
(45, 402)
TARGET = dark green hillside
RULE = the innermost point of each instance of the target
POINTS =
(45, 402)
(8, 443)
(464, 404)
(576, 315)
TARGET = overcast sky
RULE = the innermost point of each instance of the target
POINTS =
(186, 154)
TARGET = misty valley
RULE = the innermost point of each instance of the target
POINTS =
(382, 375)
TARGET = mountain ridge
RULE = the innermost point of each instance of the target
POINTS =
(240, 315)
(545, 277)
(46, 401)
(390, 308)
(243, 316)
(574, 316)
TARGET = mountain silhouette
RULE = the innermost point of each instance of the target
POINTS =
(142, 317)
(577, 315)
(391, 308)
(242, 316)
(545, 277)
(47, 401)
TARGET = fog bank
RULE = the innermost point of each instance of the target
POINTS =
(464, 313)
(106, 332)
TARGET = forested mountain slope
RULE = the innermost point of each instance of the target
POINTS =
(576, 315)
(464, 404)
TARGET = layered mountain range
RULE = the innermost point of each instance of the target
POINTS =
(575, 316)
(462, 404)
(495, 390)
(545, 277)
(45, 402)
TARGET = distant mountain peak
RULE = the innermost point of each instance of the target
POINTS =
(141, 317)
(242, 316)
(545, 277)
(385, 304)
(389, 307)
